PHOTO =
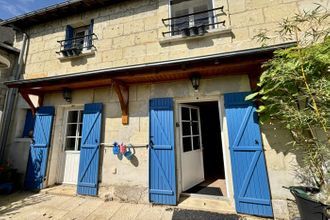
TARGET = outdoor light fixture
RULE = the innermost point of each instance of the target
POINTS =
(195, 78)
(67, 95)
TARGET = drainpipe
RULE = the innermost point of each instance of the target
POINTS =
(10, 100)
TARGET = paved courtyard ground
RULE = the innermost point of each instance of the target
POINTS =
(26, 205)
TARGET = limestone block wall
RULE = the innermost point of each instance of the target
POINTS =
(130, 32)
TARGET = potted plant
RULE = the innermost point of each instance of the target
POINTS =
(294, 90)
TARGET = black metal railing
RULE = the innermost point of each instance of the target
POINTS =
(194, 24)
(74, 46)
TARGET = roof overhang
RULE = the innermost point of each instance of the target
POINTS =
(236, 62)
(247, 61)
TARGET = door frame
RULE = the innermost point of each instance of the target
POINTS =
(61, 153)
(181, 138)
(224, 140)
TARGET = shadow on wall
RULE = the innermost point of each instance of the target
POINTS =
(278, 139)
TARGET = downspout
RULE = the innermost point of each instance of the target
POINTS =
(10, 101)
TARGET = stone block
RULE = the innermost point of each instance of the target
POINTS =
(134, 27)
(146, 37)
(113, 31)
(236, 6)
(247, 18)
(253, 4)
(278, 12)
(112, 55)
(135, 51)
(123, 41)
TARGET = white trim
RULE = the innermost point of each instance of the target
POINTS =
(224, 139)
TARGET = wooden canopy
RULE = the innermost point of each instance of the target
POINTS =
(240, 62)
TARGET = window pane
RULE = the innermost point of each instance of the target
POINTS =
(71, 130)
(196, 143)
(79, 127)
(72, 117)
(202, 18)
(186, 144)
(195, 128)
(70, 143)
(186, 128)
(81, 116)
(194, 114)
(185, 114)
(79, 143)
(181, 22)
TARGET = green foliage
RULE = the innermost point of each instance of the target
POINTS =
(294, 88)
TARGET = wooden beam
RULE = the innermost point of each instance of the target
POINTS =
(122, 91)
(26, 97)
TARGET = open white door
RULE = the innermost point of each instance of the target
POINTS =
(71, 148)
(191, 147)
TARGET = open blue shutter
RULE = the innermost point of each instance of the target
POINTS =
(251, 187)
(90, 150)
(38, 156)
(90, 32)
(68, 37)
(162, 181)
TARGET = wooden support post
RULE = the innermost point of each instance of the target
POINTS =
(122, 91)
(26, 97)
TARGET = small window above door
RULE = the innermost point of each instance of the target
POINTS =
(73, 129)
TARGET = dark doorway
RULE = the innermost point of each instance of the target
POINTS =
(214, 171)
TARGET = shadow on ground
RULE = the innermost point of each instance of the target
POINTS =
(180, 214)
(12, 203)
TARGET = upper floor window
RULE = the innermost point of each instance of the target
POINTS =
(77, 40)
(187, 15)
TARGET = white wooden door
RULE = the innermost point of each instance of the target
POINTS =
(191, 147)
(71, 149)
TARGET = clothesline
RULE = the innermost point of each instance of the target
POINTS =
(133, 145)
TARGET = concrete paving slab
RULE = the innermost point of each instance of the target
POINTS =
(105, 211)
(84, 209)
(128, 211)
(151, 213)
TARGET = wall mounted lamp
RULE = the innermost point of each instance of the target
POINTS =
(67, 95)
(195, 80)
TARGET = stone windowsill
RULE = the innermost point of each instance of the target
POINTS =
(82, 54)
(178, 38)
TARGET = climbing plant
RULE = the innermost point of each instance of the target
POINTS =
(294, 88)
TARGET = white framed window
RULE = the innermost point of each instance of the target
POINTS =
(73, 129)
(81, 37)
(183, 14)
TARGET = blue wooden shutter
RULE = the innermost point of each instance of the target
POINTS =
(90, 37)
(251, 187)
(38, 156)
(29, 123)
(90, 150)
(162, 181)
(69, 32)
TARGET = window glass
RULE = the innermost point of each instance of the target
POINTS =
(186, 128)
(195, 128)
(185, 114)
(70, 143)
(194, 114)
(196, 143)
(73, 130)
(186, 141)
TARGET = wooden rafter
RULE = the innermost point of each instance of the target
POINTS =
(122, 91)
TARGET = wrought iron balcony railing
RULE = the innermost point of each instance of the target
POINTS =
(75, 46)
(194, 24)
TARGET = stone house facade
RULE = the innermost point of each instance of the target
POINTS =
(134, 60)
